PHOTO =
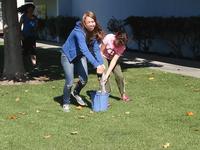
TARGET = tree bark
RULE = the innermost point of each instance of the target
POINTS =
(13, 59)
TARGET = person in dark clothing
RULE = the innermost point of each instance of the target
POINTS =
(28, 26)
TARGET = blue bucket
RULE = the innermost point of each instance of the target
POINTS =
(99, 101)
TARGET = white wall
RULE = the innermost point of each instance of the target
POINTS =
(121, 9)
(20, 2)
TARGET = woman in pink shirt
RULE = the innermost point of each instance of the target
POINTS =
(112, 48)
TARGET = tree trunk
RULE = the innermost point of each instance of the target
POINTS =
(13, 59)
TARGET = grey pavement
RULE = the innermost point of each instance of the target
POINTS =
(167, 67)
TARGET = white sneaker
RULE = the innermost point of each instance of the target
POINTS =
(79, 99)
(66, 108)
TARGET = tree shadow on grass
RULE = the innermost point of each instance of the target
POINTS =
(48, 65)
(130, 60)
(59, 99)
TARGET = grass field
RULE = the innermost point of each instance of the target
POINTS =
(31, 117)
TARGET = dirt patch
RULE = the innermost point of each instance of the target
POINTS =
(34, 81)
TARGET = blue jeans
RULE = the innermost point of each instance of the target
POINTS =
(80, 66)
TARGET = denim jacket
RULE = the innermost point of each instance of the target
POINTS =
(76, 45)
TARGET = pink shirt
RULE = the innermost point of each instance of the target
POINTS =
(110, 49)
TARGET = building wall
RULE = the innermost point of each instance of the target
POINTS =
(121, 9)
(65, 7)
(51, 6)
(56, 7)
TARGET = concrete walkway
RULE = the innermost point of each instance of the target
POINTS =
(163, 66)
(183, 70)
(48, 45)
(173, 65)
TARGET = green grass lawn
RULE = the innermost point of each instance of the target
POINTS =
(31, 118)
(157, 115)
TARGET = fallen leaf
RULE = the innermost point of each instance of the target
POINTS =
(166, 145)
(74, 132)
(196, 129)
(22, 113)
(151, 73)
(196, 90)
(79, 107)
(81, 117)
(190, 113)
(151, 78)
(17, 99)
(12, 117)
(46, 136)
(43, 78)
(127, 113)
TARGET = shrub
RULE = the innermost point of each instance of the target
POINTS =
(177, 31)
(56, 27)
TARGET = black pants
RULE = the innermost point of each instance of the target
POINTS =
(29, 45)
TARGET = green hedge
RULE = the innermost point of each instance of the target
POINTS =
(177, 31)
(55, 27)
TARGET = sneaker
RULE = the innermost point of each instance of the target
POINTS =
(79, 99)
(66, 108)
(125, 98)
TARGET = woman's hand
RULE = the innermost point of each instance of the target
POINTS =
(100, 69)
(103, 66)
